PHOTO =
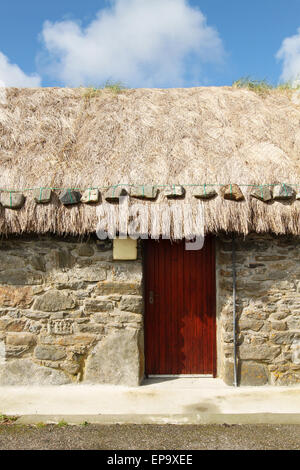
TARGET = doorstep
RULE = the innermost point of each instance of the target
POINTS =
(156, 401)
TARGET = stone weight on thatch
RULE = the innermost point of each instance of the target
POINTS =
(144, 191)
(204, 192)
(70, 197)
(232, 192)
(42, 195)
(263, 193)
(12, 200)
(114, 193)
(90, 195)
(283, 192)
(174, 191)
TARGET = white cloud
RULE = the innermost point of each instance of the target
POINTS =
(140, 42)
(289, 53)
(12, 75)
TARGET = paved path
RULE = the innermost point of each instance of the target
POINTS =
(153, 437)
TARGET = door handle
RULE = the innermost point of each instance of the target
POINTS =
(151, 297)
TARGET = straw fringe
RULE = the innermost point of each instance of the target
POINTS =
(56, 137)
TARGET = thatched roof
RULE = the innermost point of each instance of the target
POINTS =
(75, 138)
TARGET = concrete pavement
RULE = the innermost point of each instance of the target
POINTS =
(157, 401)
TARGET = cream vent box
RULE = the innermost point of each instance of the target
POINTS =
(124, 249)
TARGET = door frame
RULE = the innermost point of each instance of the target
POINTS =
(214, 313)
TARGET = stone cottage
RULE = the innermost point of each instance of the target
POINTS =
(104, 197)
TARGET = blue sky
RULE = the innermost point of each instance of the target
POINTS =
(157, 43)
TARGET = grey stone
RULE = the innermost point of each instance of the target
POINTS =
(20, 339)
(232, 192)
(174, 191)
(285, 337)
(91, 274)
(115, 287)
(90, 195)
(204, 192)
(19, 277)
(42, 196)
(116, 359)
(252, 373)
(283, 192)
(114, 193)
(132, 303)
(50, 353)
(12, 200)
(295, 348)
(22, 372)
(85, 249)
(54, 301)
(293, 322)
(144, 191)
(98, 305)
(61, 327)
(263, 193)
(250, 324)
(262, 352)
(248, 373)
(91, 328)
(70, 197)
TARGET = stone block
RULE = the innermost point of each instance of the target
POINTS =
(98, 305)
(263, 193)
(12, 200)
(91, 274)
(174, 191)
(42, 196)
(81, 340)
(85, 249)
(248, 373)
(70, 197)
(90, 196)
(204, 192)
(109, 287)
(15, 297)
(114, 193)
(116, 359)
(49, 353)
(232, 192)
(251, 373)
(131, 303)
(60, 327)
(144, 191)
(285, 337)
(250, 324)
(20, 339)
(283, 192)
(262, 352)
(54, 301)
(18, 277)
(293, 322)
(22, 372)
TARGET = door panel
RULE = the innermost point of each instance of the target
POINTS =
(180, 313)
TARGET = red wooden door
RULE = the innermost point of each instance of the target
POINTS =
(180, 313)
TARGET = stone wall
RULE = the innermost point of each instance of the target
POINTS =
(268, 309)
(69, 313)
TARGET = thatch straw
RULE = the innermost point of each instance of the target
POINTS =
(63, 138)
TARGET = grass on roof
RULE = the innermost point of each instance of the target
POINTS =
(263, 86)
(114, 87)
